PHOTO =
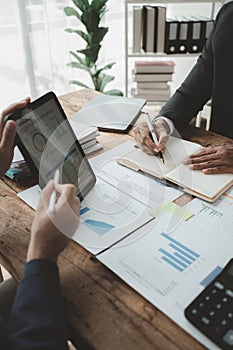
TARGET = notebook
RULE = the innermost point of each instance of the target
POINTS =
(110, 113)
(207, 187)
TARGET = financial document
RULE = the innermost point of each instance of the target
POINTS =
(178, 260)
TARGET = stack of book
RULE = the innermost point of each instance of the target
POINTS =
(87, 136)
(152, 80)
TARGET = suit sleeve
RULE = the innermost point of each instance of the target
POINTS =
(37, 320)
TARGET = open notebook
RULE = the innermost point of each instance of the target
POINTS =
(207, 187)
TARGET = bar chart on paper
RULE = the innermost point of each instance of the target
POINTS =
(176, 254)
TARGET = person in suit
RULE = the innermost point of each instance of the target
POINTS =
(210, 78)
(36, 320)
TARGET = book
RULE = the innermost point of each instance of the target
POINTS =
(87, 136)
(208, 187)
(153, 77)
(159, 28)
(154, 67)
(148, 28)
(152, 85)
(153, 95)
(137, 28)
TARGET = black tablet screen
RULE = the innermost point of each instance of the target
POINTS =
(51, 144)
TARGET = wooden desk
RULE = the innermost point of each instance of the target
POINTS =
(104, 311)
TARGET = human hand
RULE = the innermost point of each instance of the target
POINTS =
(50, 232)
(144, 140)
(212, 160)
(7, 135)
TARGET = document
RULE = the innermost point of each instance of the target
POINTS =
(208, 187)
(116, 206)
(169, 265)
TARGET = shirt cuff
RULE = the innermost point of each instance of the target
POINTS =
(41, 267)
(168, 122)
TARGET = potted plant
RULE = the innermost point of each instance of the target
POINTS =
(90, 15)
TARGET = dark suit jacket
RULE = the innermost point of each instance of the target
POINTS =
(212, 76)
(37, 319)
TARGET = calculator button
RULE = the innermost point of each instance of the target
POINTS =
(194, 311)
(214, 291)
(228, 337)
(212, 313)
(205, 320)
(229, 292)
(219, 285)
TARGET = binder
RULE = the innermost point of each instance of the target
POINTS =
(171, 36)
(206, 30)
(182, 40)
(196, 36)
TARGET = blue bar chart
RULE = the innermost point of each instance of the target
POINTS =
(210, 211)
(177, 255)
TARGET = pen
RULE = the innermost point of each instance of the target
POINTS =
(53, 194)
(153, 134)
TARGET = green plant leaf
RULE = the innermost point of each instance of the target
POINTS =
(78, 58)
(79, 66)
(90, 18)
(99, 34)
(91, 52)
(114, 92)
(81, 4)
(105, 79)
(79, 83)
(98, 4)
(70, 11)
(85, 36)
(108, 66)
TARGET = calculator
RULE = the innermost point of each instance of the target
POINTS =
(212, 310)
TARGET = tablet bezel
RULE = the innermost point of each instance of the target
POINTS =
(35, 171)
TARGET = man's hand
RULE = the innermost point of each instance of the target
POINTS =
(143, 139)
(212, 160)
(50, 231)
(7, 135)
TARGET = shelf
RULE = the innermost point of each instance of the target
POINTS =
(169, 1)
(128, 49)
(162, 54)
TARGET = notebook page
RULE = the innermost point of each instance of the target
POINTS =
(207, 185)
(175, 151)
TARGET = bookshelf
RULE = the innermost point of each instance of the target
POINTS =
(129, 54)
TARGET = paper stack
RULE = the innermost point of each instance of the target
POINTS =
(87, 136)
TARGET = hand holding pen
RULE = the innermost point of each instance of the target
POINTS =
(52, 200)
(153, 134)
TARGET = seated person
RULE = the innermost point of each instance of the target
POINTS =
(210, 78)
(36, 319)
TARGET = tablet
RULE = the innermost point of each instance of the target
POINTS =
(47, 142)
